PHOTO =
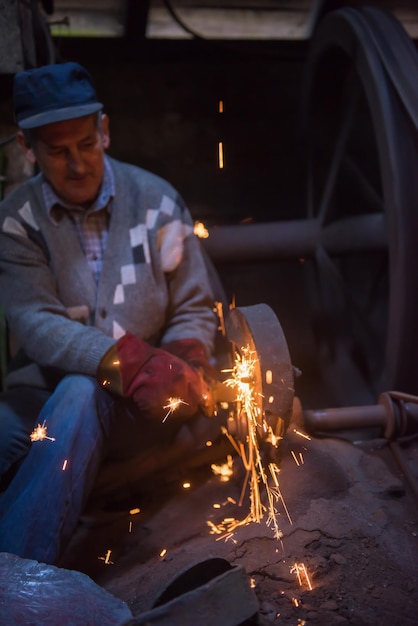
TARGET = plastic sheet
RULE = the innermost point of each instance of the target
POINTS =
(39, 594)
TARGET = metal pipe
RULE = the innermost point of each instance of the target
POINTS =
(393, 413)
(292, 239)
(345, 418)
(257, 242)
(362, 233)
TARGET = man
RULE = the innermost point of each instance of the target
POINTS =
(106, 292)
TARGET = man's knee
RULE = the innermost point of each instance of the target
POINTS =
(78, 402)
(19, 410)
(77, 384)
(77, 389)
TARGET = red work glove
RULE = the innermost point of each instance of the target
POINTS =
(194, 353)
(151, 377)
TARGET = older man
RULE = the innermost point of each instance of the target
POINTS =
(106, 293)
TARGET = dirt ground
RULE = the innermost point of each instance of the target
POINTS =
(351, 519)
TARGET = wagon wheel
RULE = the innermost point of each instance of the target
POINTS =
(361, 121)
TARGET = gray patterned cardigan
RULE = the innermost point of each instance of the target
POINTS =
(154, 281)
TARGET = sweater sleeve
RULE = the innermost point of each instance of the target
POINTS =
(191, 299)
(35, 314)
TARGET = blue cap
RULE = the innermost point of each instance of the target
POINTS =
(53, 93)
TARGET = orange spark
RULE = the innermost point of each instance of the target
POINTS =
(135, 511)
(225, 470)
(39, 433)
(200, 230)
(172, 405)
(300, 569)
(132, 512)
(106, 558)
(242, 380)
(220, 313)
(220, 155)
(302, 434)
(295, 458)
(214, 529)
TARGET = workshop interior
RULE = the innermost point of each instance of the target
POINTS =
(290, 129)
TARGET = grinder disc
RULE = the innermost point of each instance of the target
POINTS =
(257, 330)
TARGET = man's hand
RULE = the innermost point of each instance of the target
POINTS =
(153, 378)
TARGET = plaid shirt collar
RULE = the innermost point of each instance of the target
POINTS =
(54, 204)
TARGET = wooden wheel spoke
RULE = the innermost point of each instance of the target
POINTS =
(370, 194)
(338, 154)
(330, 269)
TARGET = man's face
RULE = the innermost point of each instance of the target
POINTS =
(70, 155)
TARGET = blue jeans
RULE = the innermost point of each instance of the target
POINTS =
(41, 507)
